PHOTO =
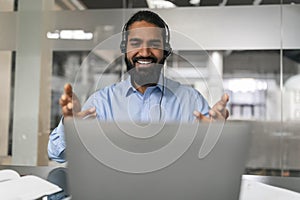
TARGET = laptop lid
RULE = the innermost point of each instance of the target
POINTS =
(155, 161)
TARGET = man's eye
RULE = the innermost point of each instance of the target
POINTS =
(155, 45)
(135, 44)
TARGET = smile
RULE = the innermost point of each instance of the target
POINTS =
(144, 62)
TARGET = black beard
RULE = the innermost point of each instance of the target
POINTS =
(146, 75)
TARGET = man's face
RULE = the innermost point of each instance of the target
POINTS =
(145, 55)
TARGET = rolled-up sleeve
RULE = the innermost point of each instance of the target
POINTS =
(56, 144)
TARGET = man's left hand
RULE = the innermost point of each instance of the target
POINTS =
(217, 113)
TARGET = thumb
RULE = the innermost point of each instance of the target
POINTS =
(68, 89)
(87, 113)
(200, 117)
(225, 98)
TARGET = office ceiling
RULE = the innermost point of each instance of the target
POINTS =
(111, 4)
(92, 4)
(108, 4)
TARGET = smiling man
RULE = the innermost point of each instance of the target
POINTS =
(146, 95)
(144, 54)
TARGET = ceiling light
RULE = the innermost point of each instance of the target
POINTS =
(195, 2)
(160, 4)
(70, 35)
(54, 35)
(246, 85)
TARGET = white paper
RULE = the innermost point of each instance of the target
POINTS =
(253, 190)
(8, 174)
(25, 188)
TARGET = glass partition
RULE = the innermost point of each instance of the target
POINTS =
(253, 48)
(290, 91)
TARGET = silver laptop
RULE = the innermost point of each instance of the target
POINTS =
(127, 161)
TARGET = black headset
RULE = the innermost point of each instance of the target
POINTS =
(167, 46)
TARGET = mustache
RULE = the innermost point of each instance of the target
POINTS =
(153, 59)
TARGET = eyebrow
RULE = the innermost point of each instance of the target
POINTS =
(151, 40)
(134, 40)
(156, 40)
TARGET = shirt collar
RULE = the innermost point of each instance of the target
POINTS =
(129, 89)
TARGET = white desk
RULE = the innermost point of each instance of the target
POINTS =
(58, 175)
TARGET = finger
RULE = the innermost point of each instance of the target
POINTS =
(90, 116)
(212, 113)
(63, 100)
(68, 89)
(69, 106)
(219, 108)
(76, 103)
(227, 114)
(197, 114)
(225, 98)
(217, 115)
(90, 113)
(200, 117)
(221, 104)
(87, 113)
(66, 111)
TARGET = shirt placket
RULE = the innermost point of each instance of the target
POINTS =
(145, 109)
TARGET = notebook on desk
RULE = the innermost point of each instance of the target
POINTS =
(157, 161)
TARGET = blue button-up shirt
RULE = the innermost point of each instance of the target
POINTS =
(168, 101)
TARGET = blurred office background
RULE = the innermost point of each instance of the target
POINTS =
(249, 49)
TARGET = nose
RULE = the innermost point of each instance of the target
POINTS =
(144, 51)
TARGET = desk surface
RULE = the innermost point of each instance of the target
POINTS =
(59, 174)
(40, 171)
(290, 183)
(56, 175)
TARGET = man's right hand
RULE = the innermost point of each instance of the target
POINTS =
(70, 105)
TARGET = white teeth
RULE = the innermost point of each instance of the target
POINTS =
(144, 62)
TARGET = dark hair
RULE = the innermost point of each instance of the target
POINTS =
(148, 16)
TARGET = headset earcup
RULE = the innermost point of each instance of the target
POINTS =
(123, 46)
(167, 50)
